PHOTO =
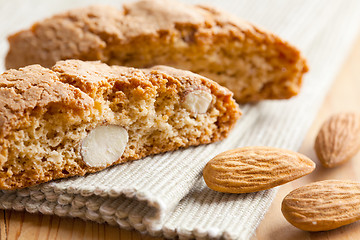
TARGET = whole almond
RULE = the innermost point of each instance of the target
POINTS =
(323, 205)
(338, 139)
(252, 169)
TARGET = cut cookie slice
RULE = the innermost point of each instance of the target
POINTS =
(251, 62)
(80, 117)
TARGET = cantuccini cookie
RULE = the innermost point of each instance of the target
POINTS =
(80, 117)
(251, 62)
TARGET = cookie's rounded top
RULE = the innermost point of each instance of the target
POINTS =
(144, 17)
(188, 76)
(156, 15)
(90, 75)
(35, 87)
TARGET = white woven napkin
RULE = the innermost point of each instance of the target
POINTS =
(165, 194)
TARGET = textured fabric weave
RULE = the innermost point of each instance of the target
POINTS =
(165, 194)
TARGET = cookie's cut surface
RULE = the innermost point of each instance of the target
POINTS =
(80, 117)
(251, 62)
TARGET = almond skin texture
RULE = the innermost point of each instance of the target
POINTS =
(323, 205)
(252, 169)
(338, 139)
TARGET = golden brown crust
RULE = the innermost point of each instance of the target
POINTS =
(51, 111)
(32, 87)
(78, 32)
(250, 61)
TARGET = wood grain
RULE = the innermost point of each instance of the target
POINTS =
(344, 96)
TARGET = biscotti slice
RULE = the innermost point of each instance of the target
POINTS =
(80, 117)
(251, 62)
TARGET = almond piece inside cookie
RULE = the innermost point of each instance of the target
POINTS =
(104, 145)
(58, 122)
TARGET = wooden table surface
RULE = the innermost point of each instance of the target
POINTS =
(343, 96)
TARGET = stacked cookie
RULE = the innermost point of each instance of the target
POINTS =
(72, 117)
